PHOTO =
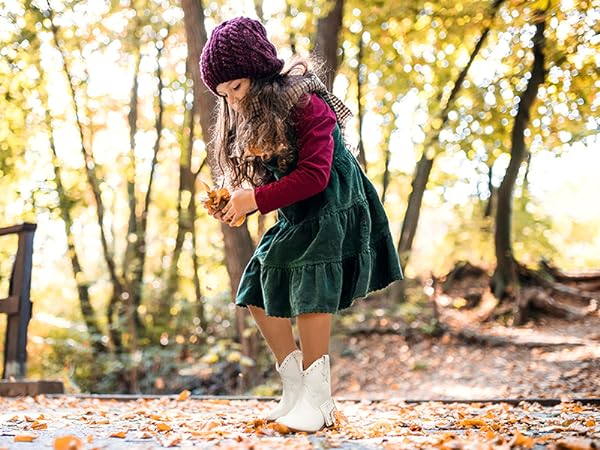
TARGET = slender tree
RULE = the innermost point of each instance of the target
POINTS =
(237, 241)
(425, 164)
(505, 278)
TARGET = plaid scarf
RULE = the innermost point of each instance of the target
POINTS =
(299, 85)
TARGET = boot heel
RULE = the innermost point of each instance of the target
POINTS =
(328, 409)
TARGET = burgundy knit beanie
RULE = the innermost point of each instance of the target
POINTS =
(238, 48)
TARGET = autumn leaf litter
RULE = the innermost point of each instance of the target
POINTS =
(72, 423)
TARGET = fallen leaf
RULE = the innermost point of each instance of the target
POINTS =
(172, 442)
(472, 422)
(184, 395)
(119, 434)
(280, 428)
(68, 443)
(521, 441)
(590, 423)
(39, 425)
(573, 444)
(161, 426)
(25, 437)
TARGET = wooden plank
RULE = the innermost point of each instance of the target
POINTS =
(18, 228)
(512, 401)
(30, 388)
(9, 305)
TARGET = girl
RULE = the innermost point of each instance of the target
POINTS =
(278, 145)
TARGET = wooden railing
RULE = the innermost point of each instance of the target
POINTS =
(17, 306)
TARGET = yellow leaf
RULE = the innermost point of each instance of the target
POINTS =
(173, 442)
(68, 443)
(590, 423)
(472, 422)
(39, 425)
(25, 437)
(209, 425)
(119, 434)
(163, 427)
(279, 427)
(522, 441)
(184, 395)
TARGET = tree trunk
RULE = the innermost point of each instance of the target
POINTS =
(238, 244)
(327, 43)
(413, 209)
(360, 82)
(386, 166)
(489, 206)
(425, 164)
(88, 313)
(505, 275)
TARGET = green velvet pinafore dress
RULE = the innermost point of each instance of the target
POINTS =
(325, 251)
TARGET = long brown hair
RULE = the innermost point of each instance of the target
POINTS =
(243, 141)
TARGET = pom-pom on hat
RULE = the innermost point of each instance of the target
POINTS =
(238, 48)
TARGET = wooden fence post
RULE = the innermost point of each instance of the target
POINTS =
(17, 306)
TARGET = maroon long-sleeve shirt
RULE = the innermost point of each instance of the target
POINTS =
(314, 127)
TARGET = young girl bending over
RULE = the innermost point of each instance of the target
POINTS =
(279, 143)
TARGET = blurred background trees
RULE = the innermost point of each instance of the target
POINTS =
(476, 120)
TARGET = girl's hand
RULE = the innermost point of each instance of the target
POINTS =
(241, 203)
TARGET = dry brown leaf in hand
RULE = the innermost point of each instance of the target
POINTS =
(216, 201)
(68, 443)
(202, 184)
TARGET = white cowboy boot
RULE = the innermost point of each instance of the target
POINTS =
(291, 380)
(314, 407)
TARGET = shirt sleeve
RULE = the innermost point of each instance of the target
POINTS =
(314, 128)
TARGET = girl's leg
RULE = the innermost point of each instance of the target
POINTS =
(277, 331)
(314, 331)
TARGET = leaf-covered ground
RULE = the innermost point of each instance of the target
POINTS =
(374, 372)
(78, 423)
(552, 358)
